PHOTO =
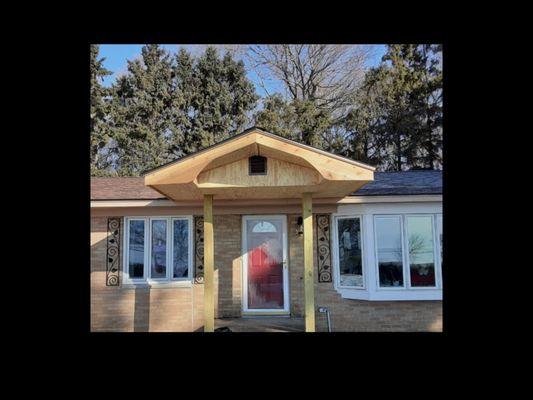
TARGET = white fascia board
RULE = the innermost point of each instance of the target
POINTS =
(391, 199)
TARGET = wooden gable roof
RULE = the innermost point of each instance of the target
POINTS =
(293, 169)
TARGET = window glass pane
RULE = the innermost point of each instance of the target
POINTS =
(181, 248)
(350, 262)
(421, 255)
(389, 246)
(136, 249)
(159, 249)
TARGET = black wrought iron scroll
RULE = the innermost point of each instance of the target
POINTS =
(199, 249)
(323, 243)
(113, 251)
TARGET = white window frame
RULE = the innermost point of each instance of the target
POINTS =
(168, 280)
(367, 214)
(335, 252)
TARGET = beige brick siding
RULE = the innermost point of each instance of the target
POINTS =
(228, 265)
(375, 316)
(181, 309)
(139, 310)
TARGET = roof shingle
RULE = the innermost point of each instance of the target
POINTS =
(385, 183)
(403, 183)
(122, 188)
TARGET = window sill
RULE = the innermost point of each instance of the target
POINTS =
(393, 295)
(157, 285)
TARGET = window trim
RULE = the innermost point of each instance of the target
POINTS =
(169, 280)
(336, 257)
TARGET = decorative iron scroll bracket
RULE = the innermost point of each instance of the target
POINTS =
(113, 251)
(323, 246)
(198, 249)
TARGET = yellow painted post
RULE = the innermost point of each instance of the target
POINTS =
(209, 265)
(309, 286)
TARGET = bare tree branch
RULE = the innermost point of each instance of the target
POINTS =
(328, 75)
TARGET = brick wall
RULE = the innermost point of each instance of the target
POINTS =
(228, 265)
(162, 309)
(349, 315)
(139, 310)
(181, 309)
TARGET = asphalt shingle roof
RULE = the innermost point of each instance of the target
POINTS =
(403, 183)
(385, 183)
(123, 188)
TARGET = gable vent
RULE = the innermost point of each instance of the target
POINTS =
(257, 165)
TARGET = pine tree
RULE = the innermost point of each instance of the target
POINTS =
(222, 99)
(413, 105)
(397, 122)
(142, 103)
(99, 128)
(299, 120)
(166, 107)
(363, 125)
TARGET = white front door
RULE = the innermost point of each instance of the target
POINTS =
(265, 264)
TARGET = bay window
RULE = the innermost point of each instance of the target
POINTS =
(157, 249)
(388, 253)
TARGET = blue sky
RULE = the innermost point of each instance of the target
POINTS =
(117, 55)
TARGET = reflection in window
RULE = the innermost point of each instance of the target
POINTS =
(136, 249)
(389, 250)
(181, 248)
(421, 254)
(439, 229)
(350, 261)
(159, 249)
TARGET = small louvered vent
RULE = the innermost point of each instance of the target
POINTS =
(258, 165)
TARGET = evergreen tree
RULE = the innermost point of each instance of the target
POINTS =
(182, 141)
(428, 97)
(165, 107)
(363, 125)
(412, 101)
(223, 96)
(99, 129)
(143, 101)
(397, 122)
(299, 120)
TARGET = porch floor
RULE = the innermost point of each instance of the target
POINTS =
(262, 324)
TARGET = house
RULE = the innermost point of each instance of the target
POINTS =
(261, 226)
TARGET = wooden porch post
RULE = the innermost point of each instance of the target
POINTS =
(309, 286)
(209, 265)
